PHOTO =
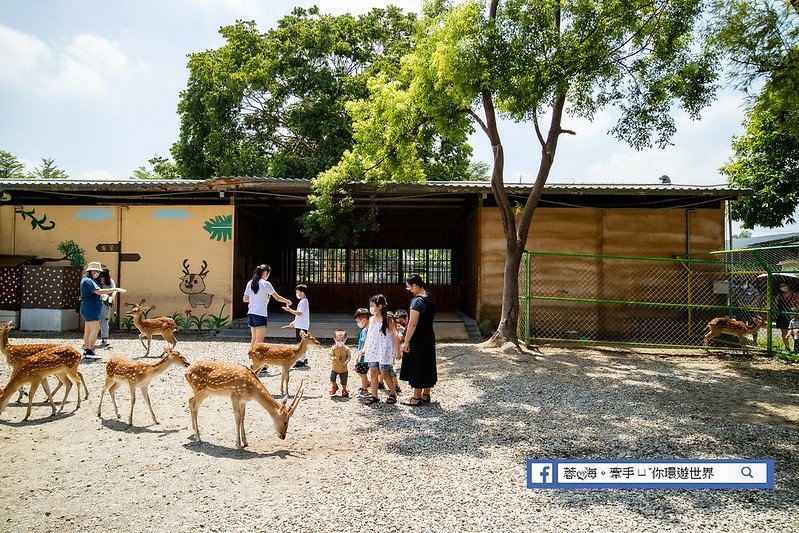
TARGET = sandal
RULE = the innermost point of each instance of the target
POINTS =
(369, 400)
(392, 398)
(425, 400)
(413, 402)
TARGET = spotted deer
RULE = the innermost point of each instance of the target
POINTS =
(241, 385)
(137, 375)
(61, 361)
(15, 354)
(284, 356)
(740, 329)
(163, 325)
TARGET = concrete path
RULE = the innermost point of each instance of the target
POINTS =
(448, 326)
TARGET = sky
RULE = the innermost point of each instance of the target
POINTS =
(95, 86)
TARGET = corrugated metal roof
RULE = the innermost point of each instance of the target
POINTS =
(444, 187)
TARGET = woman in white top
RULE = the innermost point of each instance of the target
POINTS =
(380, 348)
(256, 295)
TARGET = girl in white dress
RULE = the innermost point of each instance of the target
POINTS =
(380, 348)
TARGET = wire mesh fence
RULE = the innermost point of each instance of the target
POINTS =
(662, 301)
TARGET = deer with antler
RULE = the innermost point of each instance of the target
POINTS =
(16, 353)
(137, 375)
(61, 361)
(241, 385)
(740, 329)
(284, 356)
(148, 327)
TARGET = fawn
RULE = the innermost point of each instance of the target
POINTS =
(241, 385)
(60, 360)
(162, 325)
(734, 327)
(137, 375)
(263, 354)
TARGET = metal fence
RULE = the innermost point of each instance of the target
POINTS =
(668, 302)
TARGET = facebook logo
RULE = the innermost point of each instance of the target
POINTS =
(540, 474)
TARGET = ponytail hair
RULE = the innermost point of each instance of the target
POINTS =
(379, 299)
(256, 276)
(416, 279)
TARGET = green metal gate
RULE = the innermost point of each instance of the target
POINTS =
(668, 302)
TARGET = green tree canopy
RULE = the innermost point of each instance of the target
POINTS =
(48, 170)
(273, 103)
(760, 40)
(161, 168)
(11, 167)
(525, 60)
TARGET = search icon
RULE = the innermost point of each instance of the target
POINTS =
(747, 472)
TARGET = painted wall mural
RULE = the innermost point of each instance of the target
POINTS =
(172, 214)
(35, 222)
(94, 213)
(220, 227)
(194, 285)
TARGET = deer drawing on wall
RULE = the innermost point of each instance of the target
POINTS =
(194, 285)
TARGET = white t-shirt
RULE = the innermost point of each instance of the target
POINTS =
(303, 321)
(259, 301)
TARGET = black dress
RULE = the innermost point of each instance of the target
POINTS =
(419, 364)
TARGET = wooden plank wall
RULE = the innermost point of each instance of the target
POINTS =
(629, 232)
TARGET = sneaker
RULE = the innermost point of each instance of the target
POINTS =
(104, 344)
(300, 364)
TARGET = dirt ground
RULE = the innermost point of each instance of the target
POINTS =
(458, 463)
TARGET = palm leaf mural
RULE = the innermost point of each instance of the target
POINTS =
(220, 227)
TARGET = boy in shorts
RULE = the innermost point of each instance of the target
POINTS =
(361, 368)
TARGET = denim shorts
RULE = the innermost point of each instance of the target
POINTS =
(384, 368)
(256, 321)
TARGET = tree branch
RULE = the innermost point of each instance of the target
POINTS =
(538, 130)
(479, 121)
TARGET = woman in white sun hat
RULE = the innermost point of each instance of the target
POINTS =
(91, 305)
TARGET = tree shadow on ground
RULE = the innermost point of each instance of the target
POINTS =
(615, 404)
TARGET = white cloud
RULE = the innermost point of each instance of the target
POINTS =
(20, 54)
(97, 175)
(86, 65)
(97, 52)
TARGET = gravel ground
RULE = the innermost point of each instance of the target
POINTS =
(455, 465)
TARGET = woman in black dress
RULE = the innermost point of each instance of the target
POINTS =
(419, 346)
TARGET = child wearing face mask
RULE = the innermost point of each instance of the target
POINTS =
(302, 318)
(361, 368)
(339, 357)
(381, 348)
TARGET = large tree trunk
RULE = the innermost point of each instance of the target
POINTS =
(516, 234)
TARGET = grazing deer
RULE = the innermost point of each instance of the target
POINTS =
(61, 361)
(194, 285)
(734, 327)
(241, 385)
(137, 375)
(15, 354)
(162, 325)
(263, 354)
